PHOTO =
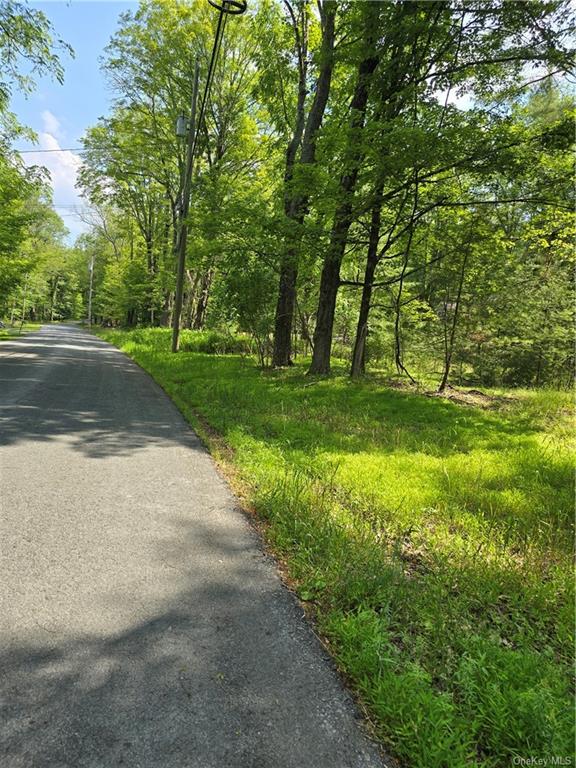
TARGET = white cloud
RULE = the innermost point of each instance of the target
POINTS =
(51, 124)
(463, 102)
(62, 166)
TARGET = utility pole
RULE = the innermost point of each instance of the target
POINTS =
(24, 297)
(183, 218)
(91, 270)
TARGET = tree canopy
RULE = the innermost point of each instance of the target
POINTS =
(29, 229)
(382, 184)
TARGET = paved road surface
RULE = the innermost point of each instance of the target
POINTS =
(140, 622)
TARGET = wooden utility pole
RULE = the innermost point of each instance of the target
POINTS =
(24, 297)
(183, 218)
(90, 288)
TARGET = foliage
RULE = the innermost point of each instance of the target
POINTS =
(401, 228)
(29, 228)
(207, 342)
(30, 242)
(26, 36)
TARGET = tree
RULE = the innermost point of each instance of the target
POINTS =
(337, 161)
(26, 41)
(26, 35)
(134, 158)
(481, 49)
(301, 118)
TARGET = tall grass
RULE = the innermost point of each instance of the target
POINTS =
(432, 540)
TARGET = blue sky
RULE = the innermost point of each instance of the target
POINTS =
(61, 113)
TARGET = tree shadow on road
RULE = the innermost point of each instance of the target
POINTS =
(75, 387)
(220, 670)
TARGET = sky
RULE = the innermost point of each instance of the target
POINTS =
(60, 114)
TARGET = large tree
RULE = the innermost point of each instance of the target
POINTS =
(481, 48)
(302, 71)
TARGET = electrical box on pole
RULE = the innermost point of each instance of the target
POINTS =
(182, 125)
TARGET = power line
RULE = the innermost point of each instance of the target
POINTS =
(210, 76)
(225, 7)
(34, 151)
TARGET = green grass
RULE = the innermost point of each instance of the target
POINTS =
(433, 542)
(13, 332)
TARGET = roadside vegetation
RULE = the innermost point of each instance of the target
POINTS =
(39, 274)
(431, 540)
(14, 331)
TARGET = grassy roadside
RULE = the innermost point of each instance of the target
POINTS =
(14, 332)
(431, 539)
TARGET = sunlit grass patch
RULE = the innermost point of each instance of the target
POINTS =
(13, 332)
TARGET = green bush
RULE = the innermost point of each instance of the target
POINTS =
(206, 342)
(215, 343)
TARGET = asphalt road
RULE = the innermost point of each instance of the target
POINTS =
(141, 623)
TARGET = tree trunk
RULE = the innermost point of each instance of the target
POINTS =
(202, 305)
(330, 280)
(188, 312)
(53, 301)
(449, 341)
(284, 315)
(151, 266)
(325, 318)
(166, 316)
(296, 204)
(329, 284)
(359, 354)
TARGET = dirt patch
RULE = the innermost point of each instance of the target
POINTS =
(473, 397)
